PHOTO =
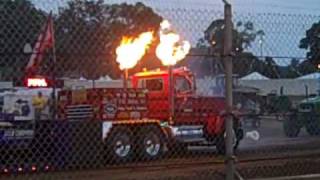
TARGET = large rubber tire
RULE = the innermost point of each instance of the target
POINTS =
(221, 143)
(151, 143)
(291, 128)
(120, 146)
(313, 128)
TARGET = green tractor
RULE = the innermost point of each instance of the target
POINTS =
(305, 115)
(278, 105)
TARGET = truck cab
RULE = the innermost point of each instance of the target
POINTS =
(156, 83)
(192, 112)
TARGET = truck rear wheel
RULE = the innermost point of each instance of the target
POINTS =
(120, 145)
(151, 144)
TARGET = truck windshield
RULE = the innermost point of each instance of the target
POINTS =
(182, 85)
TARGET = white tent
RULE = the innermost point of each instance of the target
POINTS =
(254, 76)
(6, 84)
(310, 76)
(105, 78)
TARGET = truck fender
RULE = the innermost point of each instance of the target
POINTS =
(215, 125)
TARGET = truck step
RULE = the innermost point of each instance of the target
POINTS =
(189, 134)
(194, 131)
(190, 127)
(191, 140)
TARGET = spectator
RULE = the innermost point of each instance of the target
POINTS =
(39, 103)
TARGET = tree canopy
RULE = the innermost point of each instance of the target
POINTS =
(311, 42)
(21, 23)
(244, 34)
(86, 35)
(245, 62)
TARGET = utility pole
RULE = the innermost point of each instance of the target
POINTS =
(227, 56)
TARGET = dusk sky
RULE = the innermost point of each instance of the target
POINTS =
(283, 6)
(283, 21)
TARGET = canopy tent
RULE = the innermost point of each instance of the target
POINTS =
(105, 78)
(310, 76)
(254, 76)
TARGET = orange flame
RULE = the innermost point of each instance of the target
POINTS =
(131, 50)
(171, 49)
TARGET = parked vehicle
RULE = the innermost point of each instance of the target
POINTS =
(306, 115)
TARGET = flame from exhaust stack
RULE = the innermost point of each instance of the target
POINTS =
(131, 50)
(171, 49)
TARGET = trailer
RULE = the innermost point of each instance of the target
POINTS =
(20, 133)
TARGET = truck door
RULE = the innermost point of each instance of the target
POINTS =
(184, 91)
(158, 102)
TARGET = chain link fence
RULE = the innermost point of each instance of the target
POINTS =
(64, 106)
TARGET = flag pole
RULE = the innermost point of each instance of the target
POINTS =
(54, 104)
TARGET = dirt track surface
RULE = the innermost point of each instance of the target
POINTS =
(204, 167)
(247, 170)
(273, 155)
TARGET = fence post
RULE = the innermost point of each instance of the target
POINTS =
(227, 51)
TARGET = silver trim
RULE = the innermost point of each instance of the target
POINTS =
(106, 127)
(186, 130)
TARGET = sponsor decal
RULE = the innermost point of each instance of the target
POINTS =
(110, 108)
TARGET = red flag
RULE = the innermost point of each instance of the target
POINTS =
(45, 41)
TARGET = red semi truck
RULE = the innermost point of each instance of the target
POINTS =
(138, 121)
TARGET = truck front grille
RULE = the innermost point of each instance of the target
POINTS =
(82, 111)
(305, 108)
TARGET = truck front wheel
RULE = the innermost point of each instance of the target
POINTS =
(151, 143)
(120, 145)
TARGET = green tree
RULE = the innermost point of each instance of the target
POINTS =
(245, 63)
(88, 33)
(271, 68)
(20, 24)
(244, 34)
(292, 70)
(306, 67)
(311, 42)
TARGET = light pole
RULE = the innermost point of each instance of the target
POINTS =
(261, 41)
